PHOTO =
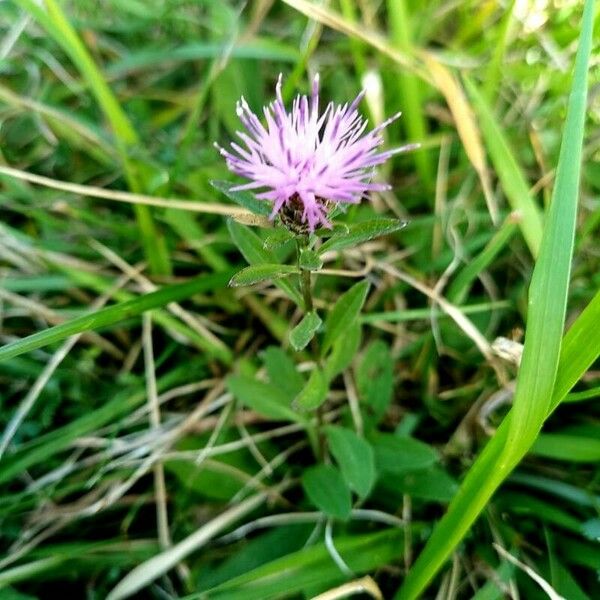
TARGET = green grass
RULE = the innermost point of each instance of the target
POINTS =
(182, 456)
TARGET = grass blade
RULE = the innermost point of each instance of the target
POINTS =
(115, 314)
(549, 288)
(541, 377)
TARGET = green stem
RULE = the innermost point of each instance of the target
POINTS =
(305, 284)
(320, 444)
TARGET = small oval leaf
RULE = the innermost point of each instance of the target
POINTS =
(282, 371)
(266, 399)
(355, 457)
(301, 335)
(326, 489)
(400, 454)
(278, 238)
(251, 247)
(343, 351)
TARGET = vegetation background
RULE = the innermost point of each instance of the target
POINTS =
(168, 435)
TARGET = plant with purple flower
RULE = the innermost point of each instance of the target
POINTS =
(305, 163)
(301, 166)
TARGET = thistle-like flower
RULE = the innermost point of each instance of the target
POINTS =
(306, 163)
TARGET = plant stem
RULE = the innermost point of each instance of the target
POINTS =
(305, 278)
(305, 283)
(306, 288)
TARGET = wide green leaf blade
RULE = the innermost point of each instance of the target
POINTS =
(580, 348)
(549, 289)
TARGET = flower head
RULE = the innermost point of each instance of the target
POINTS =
(306, 163)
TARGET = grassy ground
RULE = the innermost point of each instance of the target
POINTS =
(161, 435)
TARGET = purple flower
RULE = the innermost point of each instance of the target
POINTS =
(305, 162)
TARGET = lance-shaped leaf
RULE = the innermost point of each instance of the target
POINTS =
(257, 273)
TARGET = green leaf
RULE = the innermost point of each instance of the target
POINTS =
(265, 398)
(344, 313)
(251, 247)
(282, 372)
(432, 484)
(304, 332)
(255, 273)
(310, 260)
(375, 378)
(549, 289)
(355, 457)
(278, 238)
(244, 198)
(115, 314)
(336, 230)
(314, 392)
(343, 351)
(400, 454)
(362, 232)
(327, 490)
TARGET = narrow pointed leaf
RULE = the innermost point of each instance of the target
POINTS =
(251, 247)
(362, 232)
(344, 313)
(257, 273)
